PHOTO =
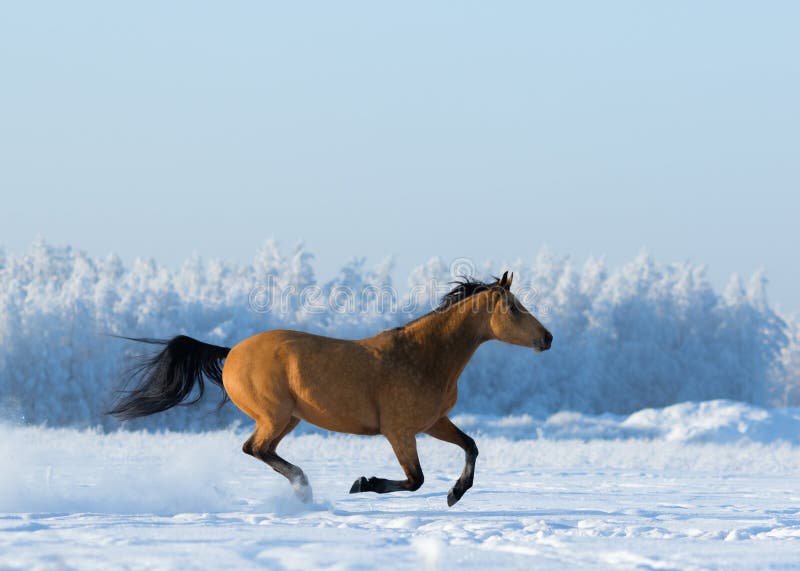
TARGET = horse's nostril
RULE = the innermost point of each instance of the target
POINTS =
(548, 339)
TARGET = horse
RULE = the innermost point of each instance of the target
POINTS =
(399, 383)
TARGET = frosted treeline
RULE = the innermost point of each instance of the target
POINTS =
(646, 334)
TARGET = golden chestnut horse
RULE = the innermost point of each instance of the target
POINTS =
(399, 383)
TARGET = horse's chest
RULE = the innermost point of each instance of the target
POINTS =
(449, 399)
(414, 402)
(441, 401)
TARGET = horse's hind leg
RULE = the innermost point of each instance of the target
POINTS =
(262, 444)
(445, 430)
(405, 448)
(289, 427)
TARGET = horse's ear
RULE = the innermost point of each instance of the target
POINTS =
(504, 283)
(510, 279)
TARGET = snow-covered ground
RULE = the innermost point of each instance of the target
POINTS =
(693, 486)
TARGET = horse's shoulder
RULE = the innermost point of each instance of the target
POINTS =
(389, 345)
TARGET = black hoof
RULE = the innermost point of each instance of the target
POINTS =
(454, 495)
(359, 485)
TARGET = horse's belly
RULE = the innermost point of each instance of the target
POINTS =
(337, 406)
(337, 421)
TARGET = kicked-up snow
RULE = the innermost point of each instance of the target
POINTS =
(571, 491)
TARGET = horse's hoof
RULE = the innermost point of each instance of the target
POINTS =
(453, 496)
(359, 485)
(304, 493)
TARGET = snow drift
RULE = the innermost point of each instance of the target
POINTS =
(716, 421)
(643, 335)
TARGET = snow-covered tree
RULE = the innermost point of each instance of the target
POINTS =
(646, 334)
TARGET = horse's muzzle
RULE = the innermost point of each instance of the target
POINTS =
(545, 343)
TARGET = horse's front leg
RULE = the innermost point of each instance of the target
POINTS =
(445, 430)
(405, 448)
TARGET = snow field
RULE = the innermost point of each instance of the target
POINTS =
(84, 499)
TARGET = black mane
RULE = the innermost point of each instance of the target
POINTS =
(464, 288)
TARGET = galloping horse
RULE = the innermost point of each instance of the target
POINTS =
(399, 383)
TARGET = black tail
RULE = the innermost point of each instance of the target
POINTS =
(167, 378)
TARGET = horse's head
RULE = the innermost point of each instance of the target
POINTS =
(511, 322)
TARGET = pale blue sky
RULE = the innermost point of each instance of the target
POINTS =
(484, 130)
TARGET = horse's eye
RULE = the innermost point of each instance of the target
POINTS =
(513, 309)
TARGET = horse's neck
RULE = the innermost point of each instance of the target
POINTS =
(445, 341)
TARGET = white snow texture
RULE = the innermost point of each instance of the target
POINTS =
(686, 487)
